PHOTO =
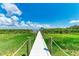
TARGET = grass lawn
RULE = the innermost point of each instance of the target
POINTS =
(9, 43)
(68, 42)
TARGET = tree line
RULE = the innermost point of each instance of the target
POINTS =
(71, 29)
(7, 31)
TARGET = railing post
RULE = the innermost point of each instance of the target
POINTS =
(28, 47)
(50, 45)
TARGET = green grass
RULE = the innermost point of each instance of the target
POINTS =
(9, 43)
(68, 42)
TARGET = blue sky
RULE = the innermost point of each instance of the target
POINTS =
(53, 14)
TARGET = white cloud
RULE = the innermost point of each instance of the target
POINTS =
(47, 26)
(8, 21)
(4, 20)
(74, 21)
(15, 18)
(37, 25)
(32, 25)
(23, 24)
(14, 22)
(11, 8)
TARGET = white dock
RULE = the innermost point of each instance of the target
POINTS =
(39, 48)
